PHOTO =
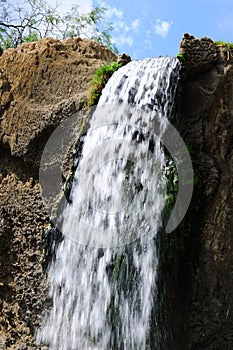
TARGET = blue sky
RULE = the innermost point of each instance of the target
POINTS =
(148, 28)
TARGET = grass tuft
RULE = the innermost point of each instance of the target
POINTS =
(99, 80)
(227, 44)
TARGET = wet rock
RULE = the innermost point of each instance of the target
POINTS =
(198, 256)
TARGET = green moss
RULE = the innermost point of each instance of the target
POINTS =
(227, 44)
(172, 179)
(99, 80)
(172, 186)
(182, 58)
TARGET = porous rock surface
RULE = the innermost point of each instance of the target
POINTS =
(41, 84)
(198, 256)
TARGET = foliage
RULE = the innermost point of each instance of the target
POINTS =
(182, 58)
(32, 20)
(228, 45)
(172, 184)
(99, 80)
(172, 179)
(89, 25)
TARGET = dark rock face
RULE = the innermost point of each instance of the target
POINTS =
(211, 295)
(199, 273)
(201, 54)
(123, 59)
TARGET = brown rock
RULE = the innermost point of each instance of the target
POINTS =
(41, 84)
(123, 59)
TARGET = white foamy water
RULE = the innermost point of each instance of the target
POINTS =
(103, 281)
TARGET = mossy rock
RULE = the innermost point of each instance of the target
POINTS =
(99, 80)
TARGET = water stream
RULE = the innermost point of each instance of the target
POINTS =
(103, 281)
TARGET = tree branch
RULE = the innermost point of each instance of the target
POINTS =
(8, 25)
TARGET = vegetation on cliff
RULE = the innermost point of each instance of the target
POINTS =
(228, 45)
(100, 79)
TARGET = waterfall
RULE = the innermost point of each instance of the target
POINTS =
(103, 280)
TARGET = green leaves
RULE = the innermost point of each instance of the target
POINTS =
(91, 25)
(172, 183)
(227, 44)
(181, 57)
(31, 37)
(99, 80)
(36, 19)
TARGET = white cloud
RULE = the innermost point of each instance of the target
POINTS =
(119, 26)
(124, 40)
(162, 27)
(84, 6)
(133, 27)
(123, 32)
(147, 41)
(135, 24)
(113, 12)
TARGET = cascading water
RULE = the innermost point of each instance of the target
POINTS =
(103, 281)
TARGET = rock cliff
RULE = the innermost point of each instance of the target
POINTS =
(198, 259)
(43, 83)
(206, 123)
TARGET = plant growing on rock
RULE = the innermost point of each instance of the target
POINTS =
(99, 80)
(227, 45)
(181, 57)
